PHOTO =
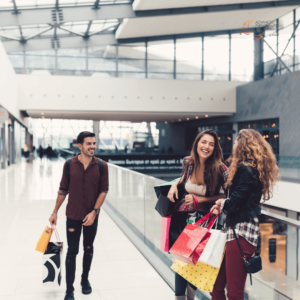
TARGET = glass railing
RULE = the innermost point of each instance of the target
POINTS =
(131, 201)
(289, 167)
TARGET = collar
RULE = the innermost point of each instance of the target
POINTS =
(93, 161)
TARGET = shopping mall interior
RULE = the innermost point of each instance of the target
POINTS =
(146, 76)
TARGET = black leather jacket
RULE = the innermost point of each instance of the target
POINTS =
(245, 193)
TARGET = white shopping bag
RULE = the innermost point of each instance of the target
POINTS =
(213, 251)
(52, 260)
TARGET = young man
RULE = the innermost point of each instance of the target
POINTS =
(87, 190)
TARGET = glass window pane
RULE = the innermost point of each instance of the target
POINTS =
(268, 54)
(283, 37)
(242, 58)
(189, 56)
(17, 60)
(286, 20)
(161, 50)
(71, 61)
(216, 57)
(160, 66)
(161, 75)
(102, 61)
(40, 60)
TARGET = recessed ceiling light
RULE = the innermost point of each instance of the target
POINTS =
(197, 117)
(206, 116)
(187, 118)
(179, 120)
(166, 122)
(42, 113)
(43, 117)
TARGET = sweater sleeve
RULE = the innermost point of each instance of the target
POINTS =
(242, 190)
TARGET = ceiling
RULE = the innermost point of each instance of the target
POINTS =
(191, 23)
(120, 116)
(27, 25)
(163, 4)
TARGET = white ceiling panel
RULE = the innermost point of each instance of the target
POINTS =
(191, 23)
(163, 4)
(122, 116)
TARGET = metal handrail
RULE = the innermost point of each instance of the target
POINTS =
(282, 219)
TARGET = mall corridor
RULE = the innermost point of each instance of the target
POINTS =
(27, 196)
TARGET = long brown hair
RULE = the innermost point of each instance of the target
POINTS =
(212, 164)
(250, 145)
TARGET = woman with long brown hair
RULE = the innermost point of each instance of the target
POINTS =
(252, 176)
(203, 179)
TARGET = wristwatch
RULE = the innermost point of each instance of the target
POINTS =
(97, 211)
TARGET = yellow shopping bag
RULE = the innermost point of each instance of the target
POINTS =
(44, 240)
(201, 275)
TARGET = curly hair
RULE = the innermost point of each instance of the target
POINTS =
(251, 146)
(212, 165)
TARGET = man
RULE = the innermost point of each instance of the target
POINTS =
(87, 190)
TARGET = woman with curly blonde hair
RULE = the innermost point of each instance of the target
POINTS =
(252, 175)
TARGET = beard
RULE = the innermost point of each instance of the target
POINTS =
(86, 153)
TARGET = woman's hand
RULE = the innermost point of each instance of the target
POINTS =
(189, 199)
(220, 201)
(173, 191)
(216, 209)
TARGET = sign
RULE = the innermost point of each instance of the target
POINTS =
(3, 115)
(146, 163)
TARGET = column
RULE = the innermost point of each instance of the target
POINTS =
(258, 57)
(235, 129)
(96, 131)
(291, 247)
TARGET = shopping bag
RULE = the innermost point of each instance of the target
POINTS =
(44, 240)
(164, 239)
(213, 251)
(163, 205)
(191, 242)
(203, 276)
(52, 264)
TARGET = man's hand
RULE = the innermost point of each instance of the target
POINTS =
(89, 219)
(53, 219)
(189, 199)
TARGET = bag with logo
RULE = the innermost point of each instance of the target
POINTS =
(52, 261)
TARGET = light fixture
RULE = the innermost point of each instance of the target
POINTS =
(166, 122)
(197, 117)
(42, 113)
(43, 117)
(187, 118)
(179, 120)
(206, 116)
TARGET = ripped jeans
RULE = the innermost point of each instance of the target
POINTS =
(73, 237)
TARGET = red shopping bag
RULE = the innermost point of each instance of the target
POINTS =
(165, 228)
(192, 241)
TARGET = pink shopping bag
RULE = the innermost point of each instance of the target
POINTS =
(165, 227)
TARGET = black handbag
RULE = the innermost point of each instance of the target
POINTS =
(164, 206)
(252, 264)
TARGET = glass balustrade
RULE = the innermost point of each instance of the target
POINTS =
(131, 203)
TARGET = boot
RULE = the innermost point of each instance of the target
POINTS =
(69, 295)
(191, 293)
(180, 297)
(86, 287)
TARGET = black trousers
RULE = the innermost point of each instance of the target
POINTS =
(74, 229)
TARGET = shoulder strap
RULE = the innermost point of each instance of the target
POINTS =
(100, 164)
(68, 164)
(243, 255)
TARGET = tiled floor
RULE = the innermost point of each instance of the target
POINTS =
(27, 197)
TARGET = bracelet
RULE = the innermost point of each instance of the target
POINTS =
(53, 214)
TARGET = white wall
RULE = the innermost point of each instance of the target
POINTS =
(123, 94)
(8, 84)
(286, 196)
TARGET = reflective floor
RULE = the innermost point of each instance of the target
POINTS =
(27, 197)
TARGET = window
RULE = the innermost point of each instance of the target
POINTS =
(216, 57)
